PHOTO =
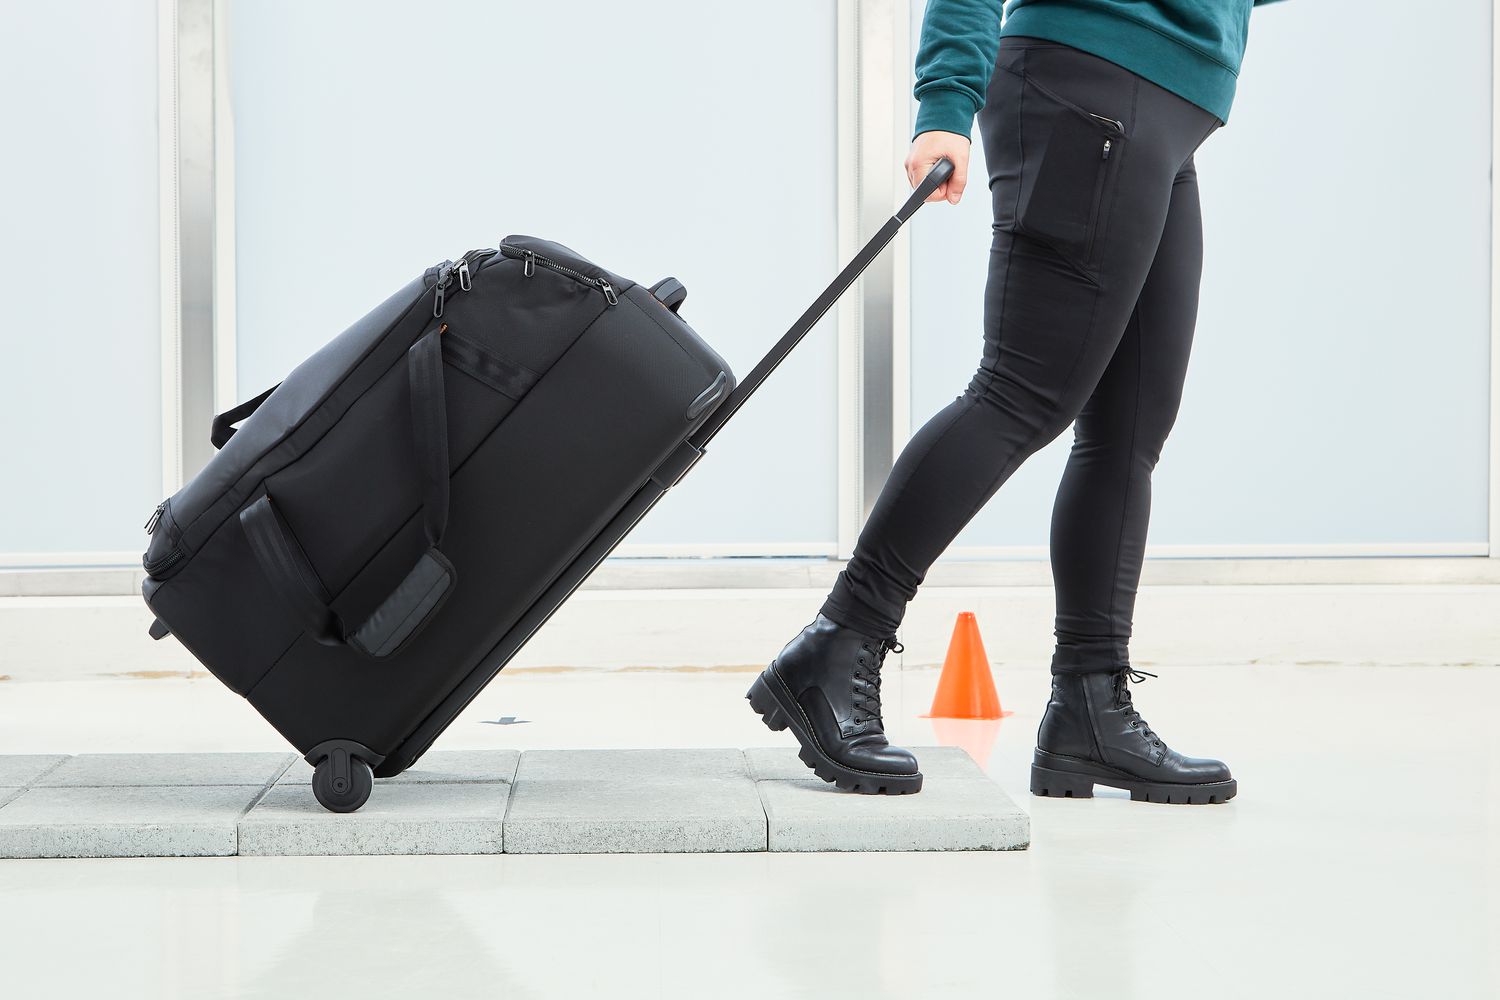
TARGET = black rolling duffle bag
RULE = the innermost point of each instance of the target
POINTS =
(391, 523)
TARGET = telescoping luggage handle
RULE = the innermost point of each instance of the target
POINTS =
(936, 177)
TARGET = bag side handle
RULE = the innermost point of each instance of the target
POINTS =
(222, 428)
(413, 601)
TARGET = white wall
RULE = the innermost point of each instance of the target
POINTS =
(371, 142)
(80, 385)
(1338, 393)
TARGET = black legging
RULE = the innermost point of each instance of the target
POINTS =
(1088, 317)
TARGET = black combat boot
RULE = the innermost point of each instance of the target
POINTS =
(825, 685)
(1092, 734)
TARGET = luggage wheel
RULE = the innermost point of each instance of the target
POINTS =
(342, 779)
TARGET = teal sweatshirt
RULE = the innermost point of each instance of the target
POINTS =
(1191, 47)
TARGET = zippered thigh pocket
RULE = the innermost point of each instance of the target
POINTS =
(1070, 156)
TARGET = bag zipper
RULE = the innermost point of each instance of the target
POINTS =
(531, 259)
(461, 270)
(154, 567)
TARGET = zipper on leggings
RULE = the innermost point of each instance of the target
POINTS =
(1117, 126)
(461, 271)
(1118, 129)
(1098, 204)
(530, 259)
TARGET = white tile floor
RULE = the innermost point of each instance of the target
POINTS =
(1362, 859)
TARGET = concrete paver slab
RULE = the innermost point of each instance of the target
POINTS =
(149, 821)
(460, 817)
(955, 814)
(489, 801)
(115, 770)
(20, 770)
(590, 816)
(632, 765)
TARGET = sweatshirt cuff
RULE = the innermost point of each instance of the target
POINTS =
(944, 110)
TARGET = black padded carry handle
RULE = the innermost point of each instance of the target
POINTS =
(222, 428)
(939, 173)
(414, 600)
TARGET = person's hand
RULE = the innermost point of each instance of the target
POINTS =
(927, 149)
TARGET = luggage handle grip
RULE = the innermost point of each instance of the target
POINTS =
(936, 177)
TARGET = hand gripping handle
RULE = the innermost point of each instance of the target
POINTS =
(936, 178)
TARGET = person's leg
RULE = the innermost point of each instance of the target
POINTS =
(1103, 503)
(1091, 731)
(1082, 155)
(1076, 230)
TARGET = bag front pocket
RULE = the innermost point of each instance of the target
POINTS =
(1070, 156)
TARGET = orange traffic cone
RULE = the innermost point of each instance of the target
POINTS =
(966, 690)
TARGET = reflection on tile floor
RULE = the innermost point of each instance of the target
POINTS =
(1361, 859)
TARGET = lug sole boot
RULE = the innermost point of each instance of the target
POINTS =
(1092, 734)
(1064, 777)
(825, 688)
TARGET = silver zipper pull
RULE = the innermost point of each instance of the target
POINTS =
(155, 517)
(465, 282)
(440, 290)
(609, 292)
(528, 258)
(1108, 145)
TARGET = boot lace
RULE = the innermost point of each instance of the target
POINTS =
(866, 702)
(1132, 714)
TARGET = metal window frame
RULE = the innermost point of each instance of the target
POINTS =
(1494, 518)
(193, 124)
(167, 248)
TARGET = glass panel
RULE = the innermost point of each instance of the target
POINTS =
(1338, 392)
(372, 140)
(79, 268)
